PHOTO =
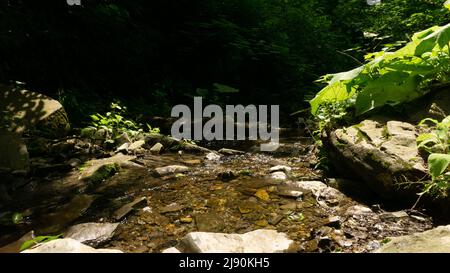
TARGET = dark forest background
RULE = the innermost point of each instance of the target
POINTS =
(155, 54)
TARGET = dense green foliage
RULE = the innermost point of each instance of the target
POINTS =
(155, 54)
(389, 78)
(115, 123)
(165, 51)
(436, 143)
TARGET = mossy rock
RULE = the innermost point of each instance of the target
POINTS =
(103, 172)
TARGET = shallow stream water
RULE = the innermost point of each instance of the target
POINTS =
(235, 194)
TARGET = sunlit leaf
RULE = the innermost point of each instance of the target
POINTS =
(438, 164)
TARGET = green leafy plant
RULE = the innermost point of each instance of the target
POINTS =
(437, 144)
(114, 121)
(38, 240)
(390, 78)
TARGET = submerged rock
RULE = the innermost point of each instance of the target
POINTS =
(436, 240)
(93, 234)
(225, 151)
(168, 170)
(258, 241)
(280, 168)
(65, 215)
(126, 209)
(380, 153)
(358, 210)
(99, 169)
(67, 246)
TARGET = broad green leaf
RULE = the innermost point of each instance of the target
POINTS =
(391, 88)
(438, 164)
(95, 118)
(440, 37)
(446, 122)
(337, 91)
(424, 33)
(346, 76)
(425, 137)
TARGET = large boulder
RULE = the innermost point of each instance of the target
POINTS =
(382, 153)
(436, 240)
(23, 110)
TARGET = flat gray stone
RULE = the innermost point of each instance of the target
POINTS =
(136, 145)
(93, 234)
(172, 169)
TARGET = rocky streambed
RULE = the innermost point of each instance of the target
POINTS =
(159, 201)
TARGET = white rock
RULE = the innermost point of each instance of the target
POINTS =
(136, 145)
(173, 169)
(259, 241)
(156, 149)
(213, 156)
(91, 233)
(281, 168)
(171, 250)
(147, 209)
(67, 246)
(358, 210)
(278, 176)
(313, 186)
(320, 190)
(123, 148)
